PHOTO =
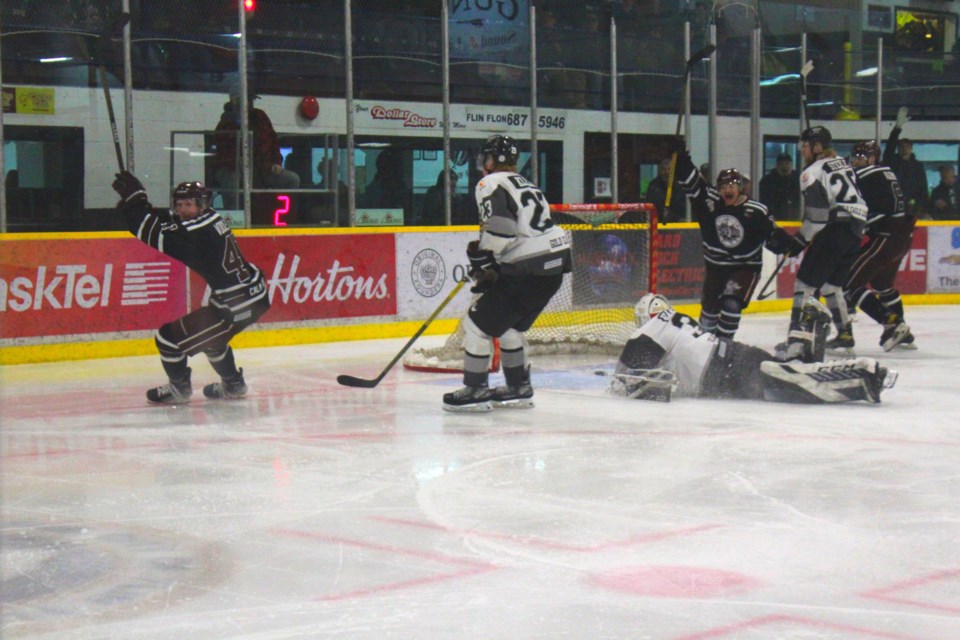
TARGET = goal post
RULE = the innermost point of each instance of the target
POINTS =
(614, 249)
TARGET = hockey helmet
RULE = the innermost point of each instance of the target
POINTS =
(730, 176)
(813, 135)
(194, 190)
(649, 306)
(866, 149)
(503, 149)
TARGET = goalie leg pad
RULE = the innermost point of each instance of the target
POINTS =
(825, 383)
(644, 384)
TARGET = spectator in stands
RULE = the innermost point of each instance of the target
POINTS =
(899, 156)
(388, 190)
(657, 194)
(334, 203)
(268, 171)
(432, 212)
(945, 197)
(780, 189)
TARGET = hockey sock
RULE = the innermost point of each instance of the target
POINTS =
(177, 370)
(223, 363)
(729, 317)
(837, 305)
(871, 305)
(890, 298)
(708, 321)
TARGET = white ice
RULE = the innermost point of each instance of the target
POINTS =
(312, 510)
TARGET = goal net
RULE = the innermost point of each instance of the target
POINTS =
(614, 263)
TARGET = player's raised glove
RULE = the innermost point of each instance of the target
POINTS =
(129, 187)
(902, 117)
(483, 267)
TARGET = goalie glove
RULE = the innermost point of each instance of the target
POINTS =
(483, 267)
(644, 384)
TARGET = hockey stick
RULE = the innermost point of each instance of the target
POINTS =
(103, 39)
(763, 295)
(702, 54)
(804, 72)
(363, 383)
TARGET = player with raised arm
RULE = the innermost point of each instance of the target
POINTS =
(889, 231)
(734, 230)
(670, 352)
(517, 266)
(834, 217)
(193, 233)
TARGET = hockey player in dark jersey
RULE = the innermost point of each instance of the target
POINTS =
(670, 353)
(889, 231)
(734, 229)
(517, 265)
(834, 216)
(193, 233)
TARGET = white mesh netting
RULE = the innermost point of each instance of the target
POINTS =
(593, 310)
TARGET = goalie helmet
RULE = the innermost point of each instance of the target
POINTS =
(196, 191)
(650, 306)
(503, 149)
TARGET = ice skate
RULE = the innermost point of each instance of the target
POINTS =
(898, 335)
(228, 388)
(513, 396)
(469, 400)
(842, 344)
(175, 392)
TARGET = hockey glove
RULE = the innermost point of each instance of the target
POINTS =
(129, 187)
(902, 117)
(480, 259)
(780, 242)
(644, 384)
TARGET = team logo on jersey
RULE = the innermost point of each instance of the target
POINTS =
(729, 231)
(428, 273)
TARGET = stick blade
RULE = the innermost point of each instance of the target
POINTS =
(361, 383)
(706, 52)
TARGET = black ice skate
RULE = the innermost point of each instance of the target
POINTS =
(897, 335)
(842, 344)
(469, 400)
(227, 389)
(176, 392)
(514, 396)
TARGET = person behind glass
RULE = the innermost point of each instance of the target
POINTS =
(268, 171)
(432, 212)
(734, 230)
(338, 207)
(517, 265)
(889, 233)
(193, 233)
(780, 189)
(899, 156)
(657, 194)
(388, 190)
(834, 217)
(945, 197)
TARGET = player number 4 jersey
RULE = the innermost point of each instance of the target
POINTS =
(515, 225)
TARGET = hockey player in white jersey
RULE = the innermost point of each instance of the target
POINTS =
(517, 265)
(834, 217)
(670, 353)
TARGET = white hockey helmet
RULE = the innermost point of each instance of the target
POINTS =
(649, 306)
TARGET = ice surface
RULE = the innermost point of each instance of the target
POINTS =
(311, 510)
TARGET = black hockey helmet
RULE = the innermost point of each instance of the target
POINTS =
(503, 149)
(866, 149)
(813, 135)
(194, 190)
(730, 176)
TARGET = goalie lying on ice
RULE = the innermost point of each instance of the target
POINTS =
(669, 353)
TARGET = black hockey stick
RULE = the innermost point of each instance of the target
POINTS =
(702, 54)
(113, 29)
(763, 295)
(351, 381)
(804, 72)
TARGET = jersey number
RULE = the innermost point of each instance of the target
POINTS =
(845, 181)
(535, 198)
(232, 260)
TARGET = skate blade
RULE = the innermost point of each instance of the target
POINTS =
(519, 403)
(480, 407)
(844, 352)
(906, 347)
